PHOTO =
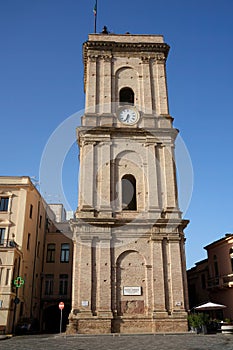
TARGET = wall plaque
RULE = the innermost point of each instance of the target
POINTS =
(132, 290)
(85, 302)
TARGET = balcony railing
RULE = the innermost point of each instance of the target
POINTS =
(220, 282)
(8, 243)
(228, 280)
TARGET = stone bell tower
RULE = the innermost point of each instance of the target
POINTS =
(129, 272)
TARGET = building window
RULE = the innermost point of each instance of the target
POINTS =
(38, 249)
(49, 281)
(4, 201)
(126, 96)
(28, 241)
(63, 284)
(65, 252)
(2, 235)
(203, 281)
(30, 211)
(40, 221)
(50, 257)
(1, 271)
(128, 188)
(231, 257)
(7, 281)
(216, 271)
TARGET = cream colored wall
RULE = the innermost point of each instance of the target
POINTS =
(222, 251)
(7, 258)
(224, 293)
(23, 194)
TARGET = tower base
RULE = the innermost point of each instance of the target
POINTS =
(130, 325)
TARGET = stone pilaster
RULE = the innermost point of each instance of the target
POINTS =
(161, 85)
(84, 294)
(153, 200)
(103, 283)
(91, 82)
(86, 184)
(107, 86)
(159, 307)
(176, 269)
(170, 176)
(104, 93)
(161, 176)
(104, 170)
(147, 98)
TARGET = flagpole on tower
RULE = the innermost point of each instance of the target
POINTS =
(95, 15)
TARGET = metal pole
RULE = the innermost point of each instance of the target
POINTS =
(15, 306)
(61, 322)
(95, 17)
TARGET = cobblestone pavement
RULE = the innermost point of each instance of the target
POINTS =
(120, 342)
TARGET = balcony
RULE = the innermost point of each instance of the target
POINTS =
(228, 280)
(8, 243)
(220, 282)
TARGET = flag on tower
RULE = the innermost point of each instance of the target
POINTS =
(95, 8)
(95, 15)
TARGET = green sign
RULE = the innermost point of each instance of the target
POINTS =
(19, 282)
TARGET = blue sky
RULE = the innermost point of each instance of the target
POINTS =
(41, 85)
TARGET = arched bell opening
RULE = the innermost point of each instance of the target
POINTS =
(128, 188)
(126, 96)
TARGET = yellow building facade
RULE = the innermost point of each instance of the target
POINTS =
(35, 258)
(22, 228)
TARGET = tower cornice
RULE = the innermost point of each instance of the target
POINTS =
(154, 50)
(126, 46)
(158, 136)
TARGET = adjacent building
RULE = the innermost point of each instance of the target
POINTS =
(28, 233)
(22, 236)
(212, 279)
(197, 283)
(56, 273)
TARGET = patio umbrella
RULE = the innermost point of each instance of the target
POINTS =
(209, 306)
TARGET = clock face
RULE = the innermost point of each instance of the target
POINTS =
(128, 115)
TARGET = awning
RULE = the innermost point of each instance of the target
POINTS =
(209, 306)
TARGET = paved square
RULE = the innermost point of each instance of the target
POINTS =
(120, 342)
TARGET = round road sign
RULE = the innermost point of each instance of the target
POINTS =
(61, 305)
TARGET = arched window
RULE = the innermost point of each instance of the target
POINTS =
(216, 272)
(128, 187)
(231, 257)
(126, 96)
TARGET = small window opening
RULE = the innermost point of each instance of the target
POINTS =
(216, 271)
(128, 185)
(126, 96)
(231, 257)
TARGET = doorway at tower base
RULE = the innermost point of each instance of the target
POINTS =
(127, 325)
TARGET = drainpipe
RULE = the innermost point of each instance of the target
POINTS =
(35, 256)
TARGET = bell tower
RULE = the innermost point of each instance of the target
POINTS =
(129, 272)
